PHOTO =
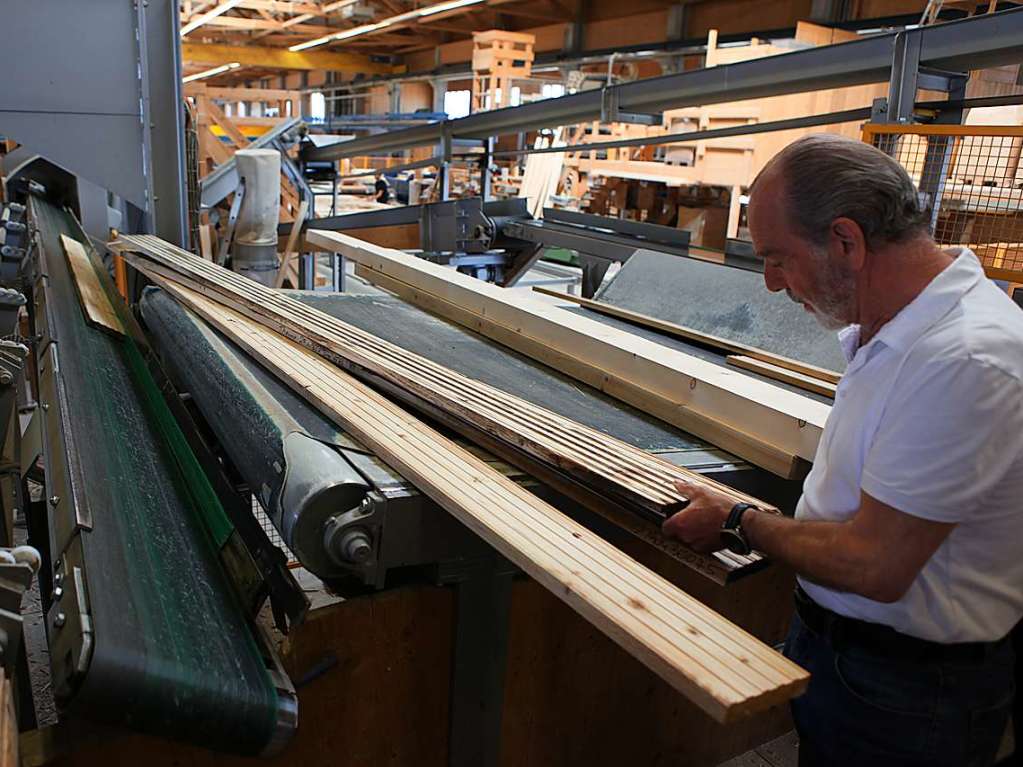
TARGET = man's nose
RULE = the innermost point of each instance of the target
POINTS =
(773, 278)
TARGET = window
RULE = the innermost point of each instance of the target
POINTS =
(552, 90)
(456, 103)
(317, 106)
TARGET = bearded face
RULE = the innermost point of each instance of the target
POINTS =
(830, 292)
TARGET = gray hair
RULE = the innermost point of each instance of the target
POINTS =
(828, 177)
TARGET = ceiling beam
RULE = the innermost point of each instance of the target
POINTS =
(281, 58)
(282, 6)
(197, 21)
(437, 11)
(241, 22)
(530, 15)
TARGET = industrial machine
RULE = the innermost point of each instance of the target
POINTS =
(151, 454)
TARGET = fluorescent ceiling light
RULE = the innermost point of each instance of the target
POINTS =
(448, 6)
(219, 10)
(210, 72)
(365, 29)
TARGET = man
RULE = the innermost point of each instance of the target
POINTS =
(907, 537)
(382, 192)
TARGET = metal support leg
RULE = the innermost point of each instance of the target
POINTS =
(307, 275)
(486, 177)
(903, 83)
(443, 171)
(938, 157)
(478, 665)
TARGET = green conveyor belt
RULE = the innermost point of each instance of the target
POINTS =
(173, 653)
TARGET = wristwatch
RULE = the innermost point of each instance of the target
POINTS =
(732, 537)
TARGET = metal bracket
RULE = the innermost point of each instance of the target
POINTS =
(610, 112)
(352, 537)
(232, 219)
(69, 622)
(904, 80)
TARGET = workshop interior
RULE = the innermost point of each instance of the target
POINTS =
(350, 350)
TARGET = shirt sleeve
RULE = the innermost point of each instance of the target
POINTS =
(949, 433)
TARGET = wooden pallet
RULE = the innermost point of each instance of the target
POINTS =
(498, 58)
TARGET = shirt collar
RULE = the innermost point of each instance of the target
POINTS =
(934, 302)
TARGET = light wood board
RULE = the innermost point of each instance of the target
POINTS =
(688, 334)
(94, 300)
(771, 427)
(714, 663)
(611, 470)
(784, 375)
(289, 259)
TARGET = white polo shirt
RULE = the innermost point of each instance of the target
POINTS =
(928, 418)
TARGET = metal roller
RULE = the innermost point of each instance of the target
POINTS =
(288, 456)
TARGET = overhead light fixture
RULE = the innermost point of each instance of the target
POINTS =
(365, 29)
(219, 10)
(211, 72)
(448, 6)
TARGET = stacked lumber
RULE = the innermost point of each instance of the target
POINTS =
(770, 427)
(589, 466)
(498, 57)
(710, 660)
(541, 176)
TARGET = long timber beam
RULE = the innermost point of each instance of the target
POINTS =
(974, 43)
(768, 426)
(282, 58)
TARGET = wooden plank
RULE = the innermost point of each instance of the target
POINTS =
(688, 334)
(592, 373)
(282, 58)
(814, 385)
(229, 128)
(710, 660)
(614, 471)
(710, 401)
(94, 300)
(247, 95)
(8, 723)
(290, 254)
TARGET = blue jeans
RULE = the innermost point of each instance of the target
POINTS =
(867, 710)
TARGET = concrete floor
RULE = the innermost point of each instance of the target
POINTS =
(780, 752)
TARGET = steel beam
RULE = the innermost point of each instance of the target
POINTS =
(983, 41)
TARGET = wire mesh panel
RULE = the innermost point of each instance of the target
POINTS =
(271, 532)
(970, 180)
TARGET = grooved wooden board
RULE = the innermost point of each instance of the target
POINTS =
(714, 663)
(612, 471)
(768, 426)
(94, 300)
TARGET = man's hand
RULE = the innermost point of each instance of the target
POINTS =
(699, 524)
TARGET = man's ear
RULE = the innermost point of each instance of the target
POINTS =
(847, 238)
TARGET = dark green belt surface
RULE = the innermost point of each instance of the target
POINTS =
(173, 654)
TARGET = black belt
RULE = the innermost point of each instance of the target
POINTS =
(840, 631)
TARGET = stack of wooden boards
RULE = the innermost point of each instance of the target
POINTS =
(713, 662)
(764, 424)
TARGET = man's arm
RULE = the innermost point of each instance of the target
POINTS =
(877, 553)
